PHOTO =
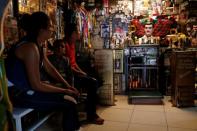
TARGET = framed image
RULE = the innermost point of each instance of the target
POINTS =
(106, 43)
(105, 31)
(118, 61)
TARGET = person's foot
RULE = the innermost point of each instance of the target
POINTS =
(96, 120)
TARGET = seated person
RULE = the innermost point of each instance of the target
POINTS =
(23, 65)
(81, 79)
(61, 62)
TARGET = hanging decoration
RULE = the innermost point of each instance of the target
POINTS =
(28, 6)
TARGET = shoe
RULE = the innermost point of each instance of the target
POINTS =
(96, 120)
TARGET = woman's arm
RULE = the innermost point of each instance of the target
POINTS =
(78, 70)
(29, 54)
(51, 70)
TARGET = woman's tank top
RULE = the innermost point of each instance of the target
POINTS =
(15, 68)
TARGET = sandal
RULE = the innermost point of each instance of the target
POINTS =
(96, 120)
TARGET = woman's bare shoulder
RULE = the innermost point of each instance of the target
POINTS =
(27, 49)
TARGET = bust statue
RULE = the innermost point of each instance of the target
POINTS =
(147, 38)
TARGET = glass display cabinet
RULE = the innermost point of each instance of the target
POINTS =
(142, 73)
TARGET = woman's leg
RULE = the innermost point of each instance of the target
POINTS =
(69, 119)
(91, 86)
(84, 82)
(50, 102)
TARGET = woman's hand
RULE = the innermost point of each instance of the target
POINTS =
(70, 98)
(83, 73)
(71, 92)
(75, 90)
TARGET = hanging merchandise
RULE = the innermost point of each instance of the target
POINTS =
(105, 34)
(167, 7)
(91, 2)
(97, 41)
(50, 8)
(90, 28)
(28, 6)
(78, 15)
(106, 6)
(124, 6)
(60, 23)
(106, 3)
(10, 29)
(105, 30)
(84, 20)
(84, 28)
(96, 35)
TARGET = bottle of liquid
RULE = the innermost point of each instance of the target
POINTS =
(138, 80)
(130, 81)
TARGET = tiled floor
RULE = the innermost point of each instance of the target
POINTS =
(126, 117)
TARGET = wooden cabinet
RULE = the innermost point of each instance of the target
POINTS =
(183, 78)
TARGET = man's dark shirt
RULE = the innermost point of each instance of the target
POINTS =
(62, 64)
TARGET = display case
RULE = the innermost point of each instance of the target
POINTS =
(142, 67)
(142, 72)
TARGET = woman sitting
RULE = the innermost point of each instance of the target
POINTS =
(23, 65)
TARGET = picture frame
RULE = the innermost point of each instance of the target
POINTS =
(118, 61)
